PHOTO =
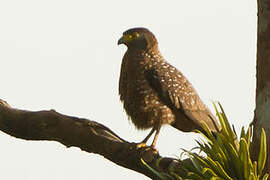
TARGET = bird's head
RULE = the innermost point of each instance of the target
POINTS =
(138, 38)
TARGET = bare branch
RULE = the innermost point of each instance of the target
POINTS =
(89, 136)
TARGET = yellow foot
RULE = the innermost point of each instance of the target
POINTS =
(154, 149)
(141, 145)
(145, 148)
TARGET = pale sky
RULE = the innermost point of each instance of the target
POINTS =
(63, 55)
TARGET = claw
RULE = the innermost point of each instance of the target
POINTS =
(141, 145)
(146, 148)
(153, 148)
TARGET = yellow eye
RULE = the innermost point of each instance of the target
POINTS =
(130, 37)
(136, 34)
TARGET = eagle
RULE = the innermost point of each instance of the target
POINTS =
(154, 92)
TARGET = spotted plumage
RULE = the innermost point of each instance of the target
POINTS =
(154, 92)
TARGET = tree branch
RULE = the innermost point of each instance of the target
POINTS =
(89, 136)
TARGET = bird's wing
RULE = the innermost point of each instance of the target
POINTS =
(176, 92)
(123, 79)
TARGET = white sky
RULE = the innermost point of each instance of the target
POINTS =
(63, 55)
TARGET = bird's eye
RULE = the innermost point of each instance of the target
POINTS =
(136, 34)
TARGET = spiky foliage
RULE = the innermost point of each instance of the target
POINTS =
(225, 156)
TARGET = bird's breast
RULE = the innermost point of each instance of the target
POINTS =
(142, 103)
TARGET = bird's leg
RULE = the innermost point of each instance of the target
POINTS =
(143, 143)
(149, 135)
(156, 136)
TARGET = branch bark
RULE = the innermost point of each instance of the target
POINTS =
(90, 136)
(262, 113)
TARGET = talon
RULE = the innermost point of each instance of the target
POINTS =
(155, 151)
(141, 145)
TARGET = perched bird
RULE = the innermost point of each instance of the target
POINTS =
(154, 92)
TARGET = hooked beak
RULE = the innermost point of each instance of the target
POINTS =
(121, 41)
